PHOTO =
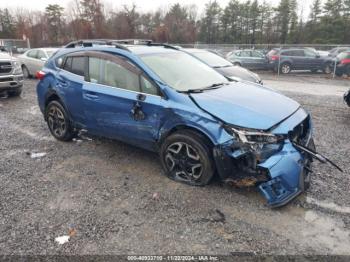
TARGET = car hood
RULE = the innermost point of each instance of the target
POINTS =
(246, 105)
(4, 55)
(239, 72)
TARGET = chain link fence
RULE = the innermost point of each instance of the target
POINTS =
(224, 49)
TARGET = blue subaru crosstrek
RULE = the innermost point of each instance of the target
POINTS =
(164, 100)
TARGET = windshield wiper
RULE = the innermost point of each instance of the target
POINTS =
(214, 86)
(200, 90)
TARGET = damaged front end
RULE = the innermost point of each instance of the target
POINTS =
(269, 159)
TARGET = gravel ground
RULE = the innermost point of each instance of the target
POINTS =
(113, 198)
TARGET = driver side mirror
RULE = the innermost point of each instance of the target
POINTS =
(44, 59)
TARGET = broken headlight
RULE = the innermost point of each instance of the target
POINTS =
(263, 144)
(253, 137)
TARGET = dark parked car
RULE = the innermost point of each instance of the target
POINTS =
(249, 58)
(161, 99)
(337, 50)
(298, 59)
(224, 67)
(343, 64)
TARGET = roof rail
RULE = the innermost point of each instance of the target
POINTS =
(133, 41)
(164, 45)
(92, 42)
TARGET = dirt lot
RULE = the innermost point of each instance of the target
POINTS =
(117, 200)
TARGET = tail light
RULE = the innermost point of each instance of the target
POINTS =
(345, 61)
(275, 57)
(40, 75)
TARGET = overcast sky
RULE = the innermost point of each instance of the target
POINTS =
(142, 5)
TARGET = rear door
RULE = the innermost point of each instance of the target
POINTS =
(69, 83)
(120, 101)
(312, 60)
(29, 60)
(247, 59)
(298, 59)
(259, 60)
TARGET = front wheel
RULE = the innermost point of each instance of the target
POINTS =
(186, 157)
(328, 69)
(17, 92)
(58, 121)
(25, 71)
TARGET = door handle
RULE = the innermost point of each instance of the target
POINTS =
(62, 83)
(91, 95)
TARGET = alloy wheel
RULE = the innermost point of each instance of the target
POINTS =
(285, 69)
(183, 161)
(57, 122)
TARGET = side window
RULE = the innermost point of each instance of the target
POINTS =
(245, 53)
(257, 54)
(109, 73)
(78, 65)
(68, 64)
(287, 53)
(41, 54)
(309, 53)
(147, 87)
(32, 54)
(298, 53)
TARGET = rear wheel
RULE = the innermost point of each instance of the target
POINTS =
(347, 70)
(186, 157)
(58, 121)
(314, 70)
(285, 68)
(237, 64)
(328, 69)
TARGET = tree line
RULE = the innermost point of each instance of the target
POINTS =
(239, 22)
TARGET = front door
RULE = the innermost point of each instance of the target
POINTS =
(120, 101)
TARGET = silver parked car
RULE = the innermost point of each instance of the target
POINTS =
(34, 59)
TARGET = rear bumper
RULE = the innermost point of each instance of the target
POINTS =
(10, 82)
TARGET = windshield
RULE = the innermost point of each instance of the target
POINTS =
(182, 72)
(211, 59)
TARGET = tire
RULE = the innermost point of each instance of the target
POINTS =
(327, 69)
(58, 121)
(186, 157)
(25, 71)
(17, 92)
(314, 70)
(237, 64)
(285, 68)
(347, 70)
(338, 73)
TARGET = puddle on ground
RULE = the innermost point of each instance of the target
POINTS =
(315, 231)
(329, 205)
(327, 232)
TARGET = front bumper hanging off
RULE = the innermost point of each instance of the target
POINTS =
(290, 175)
(286, 173)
